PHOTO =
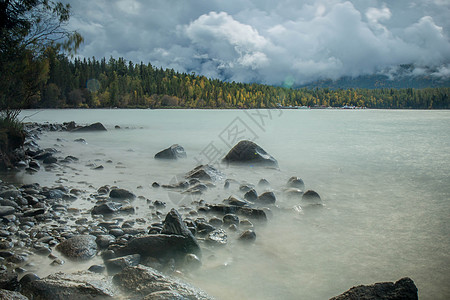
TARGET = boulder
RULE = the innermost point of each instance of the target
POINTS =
(80, 247)
(121, 194)
(247, 236)
(93, 127)
(145, 281)
(159, 246)
(251, 195)
(247, 152)
(173, 152)
(403, 289)
(205, 173)
(295, 182)
(61, 286)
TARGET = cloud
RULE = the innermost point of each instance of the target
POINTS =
(268, 41)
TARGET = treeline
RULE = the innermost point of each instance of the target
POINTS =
(118, 83)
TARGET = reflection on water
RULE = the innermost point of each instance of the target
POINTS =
(383, 177)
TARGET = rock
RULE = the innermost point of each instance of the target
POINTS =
(250, 153)
(403, 289)
(173, 152)
(217, 237)
(53, 194)
(49, 160)
(155, 185)
(247, 236)
(143, 281)
(295, 182)
(10, 295)
(192, 262)
(159, 246)
(106, 208)
(233, 200)
(97, 269)
(266, 198)
(34, 212)
(80, 247)
(115, 265)
(253, 213)
(263, 183)
(121, 194)
(104, 240)
(229, 219)
(93, 127)
(5, 202)
(9, 280)
(164, 295)
(251, 195)
(6, 210)
(61, 286)
(34, 164)
(10, 194)
(205, 173)
(311, 197)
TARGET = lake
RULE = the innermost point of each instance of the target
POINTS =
(383, 176)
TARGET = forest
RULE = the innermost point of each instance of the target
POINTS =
(92, 83)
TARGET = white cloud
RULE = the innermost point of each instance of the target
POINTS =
(268, 41)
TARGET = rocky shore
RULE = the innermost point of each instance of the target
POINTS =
(134, 258)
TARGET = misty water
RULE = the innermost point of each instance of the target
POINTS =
(383, 176)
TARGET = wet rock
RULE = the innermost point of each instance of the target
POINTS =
(115, 265)
(164, 295)
(215, 221)
(229, 219)
(97, 269)
(403, 289)
(49, 160)
(53, 194)
(181, 185)
(311, 196)
(61, 286)
(217, 237)
(106, 208)
(173, 225)
(245, 187)
(80, 247)
(93, 127)
(247, 236)
(143, 281)
(247, 152)
(266, 198)
(34, 164)
(159, 246)
(10, 194)
(11, 295)
(6, 210)
(295, 182)
(9, 280)
(192, 262)
(121, 194)
(104, 240)
(5, 202)
(251, 195)
(155, 185)
(173, 152)
(253, 213)
(263, 183)
(34, 212)
(205, 173)
(233, 200)
(28, 278)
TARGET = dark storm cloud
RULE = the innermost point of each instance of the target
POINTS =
(269, 41)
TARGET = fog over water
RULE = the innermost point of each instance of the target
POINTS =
(383, 176)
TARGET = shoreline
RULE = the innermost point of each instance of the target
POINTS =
(52, 208)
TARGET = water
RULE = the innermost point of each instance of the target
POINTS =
(383, 176)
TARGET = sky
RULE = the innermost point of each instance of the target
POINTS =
(265, 41)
